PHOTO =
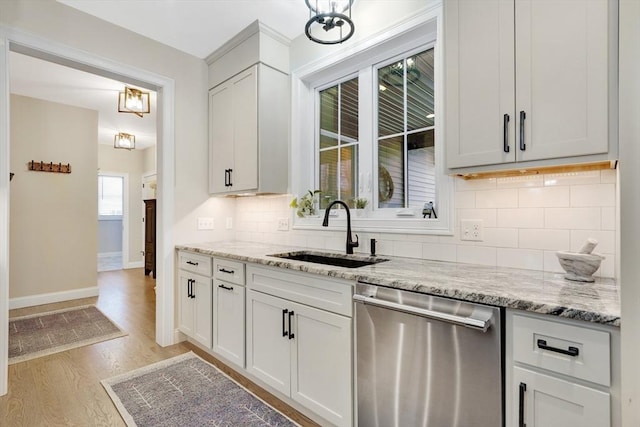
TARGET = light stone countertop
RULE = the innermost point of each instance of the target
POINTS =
(535, 291)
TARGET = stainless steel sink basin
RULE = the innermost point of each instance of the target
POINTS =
(338, 260)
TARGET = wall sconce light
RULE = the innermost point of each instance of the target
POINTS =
(124, 140)
(329, 21)
(134, 101)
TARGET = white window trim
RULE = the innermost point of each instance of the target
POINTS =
(417, 32)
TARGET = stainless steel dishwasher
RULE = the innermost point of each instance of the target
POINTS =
(427, 361)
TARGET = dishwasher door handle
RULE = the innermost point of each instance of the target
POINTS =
(470, 322)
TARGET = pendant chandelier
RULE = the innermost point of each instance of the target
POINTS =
(330, 21)
(125, 141)
(134, 101)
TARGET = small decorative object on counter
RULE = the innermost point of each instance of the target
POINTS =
(360, 203)
(306, 205)
(428, 210)
(581, 265)
(373, 247)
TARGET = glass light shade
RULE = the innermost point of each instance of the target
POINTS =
(125, 141)
(134, 101)
(329, 6)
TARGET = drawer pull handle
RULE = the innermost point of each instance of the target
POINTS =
(571, 351)
(224, 270)
(291, 335)
(192, 263)
(522, 390)
(226, 288)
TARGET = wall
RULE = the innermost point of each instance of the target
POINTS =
(150, 159)
(109, 236)
(131, 162)
(525, 219)
(53, 224)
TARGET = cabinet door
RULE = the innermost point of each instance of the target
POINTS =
(245, 128)
(185, 308)
(551, 402)
(562, 79)
(220, 136)
(479, 82)
(268, 350)
(321, 363)
(202, 310)
(228, 321)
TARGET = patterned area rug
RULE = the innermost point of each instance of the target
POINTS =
(188, 391)
(42, 334)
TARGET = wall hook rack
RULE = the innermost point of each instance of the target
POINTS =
(49, 167)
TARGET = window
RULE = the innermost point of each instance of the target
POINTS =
(406, 131)
(110, 196)
(338, 137)
(369, 118)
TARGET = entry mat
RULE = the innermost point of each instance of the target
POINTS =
(188, 391)
(42, 334)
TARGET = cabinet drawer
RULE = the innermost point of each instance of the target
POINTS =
(316, 291)
(229, 271)
(195, 263)
(543, 343)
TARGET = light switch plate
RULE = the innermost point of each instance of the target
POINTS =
(229, 223)
(205, 223)
(471, 230)
(283, 224)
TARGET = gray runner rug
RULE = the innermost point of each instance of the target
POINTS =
(188, 391)
(42, 334)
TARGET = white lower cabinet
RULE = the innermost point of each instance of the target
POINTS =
(228, 321)
(301, 351)
(546, 401)
(195, 307)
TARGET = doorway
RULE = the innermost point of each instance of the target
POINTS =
(75, 58)
(113, 220)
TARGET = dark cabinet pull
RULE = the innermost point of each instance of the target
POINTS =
(291, 336)
(223, 270)
(571, 351)
(230, 183)
(189, 291)
(192, 263)
(193, 293)
(284, 315)
(523, 116)
(226, 177)
(226, 288)
(523, 388)
(505, 133)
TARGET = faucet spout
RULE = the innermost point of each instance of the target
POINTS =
(325, 223)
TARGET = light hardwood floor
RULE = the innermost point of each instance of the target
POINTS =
(64, 389)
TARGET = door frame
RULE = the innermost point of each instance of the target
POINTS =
(15, 40)
(125, 213)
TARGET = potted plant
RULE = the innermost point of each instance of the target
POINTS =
(360, 204)
(306, 205)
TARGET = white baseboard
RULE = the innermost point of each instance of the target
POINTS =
(137, 264)
(49, 298)
(108, 254)
(178, 336)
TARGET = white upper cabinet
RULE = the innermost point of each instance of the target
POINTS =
(528, 80)
(249, 114)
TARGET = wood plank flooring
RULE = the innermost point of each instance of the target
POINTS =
(64, 389)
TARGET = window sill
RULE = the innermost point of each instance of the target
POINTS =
(376, 225)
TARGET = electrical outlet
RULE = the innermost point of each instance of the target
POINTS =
(283, 224)
(229, 223)
(471, 229)
(205, 223)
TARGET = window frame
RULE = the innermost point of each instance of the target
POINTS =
(420, 32)
(120, 217)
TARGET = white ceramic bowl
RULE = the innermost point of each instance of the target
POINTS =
(579, 267)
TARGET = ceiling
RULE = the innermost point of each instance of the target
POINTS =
(198, 27)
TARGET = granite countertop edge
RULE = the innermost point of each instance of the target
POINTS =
(528, 290)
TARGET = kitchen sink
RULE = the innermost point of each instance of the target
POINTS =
(338, 260)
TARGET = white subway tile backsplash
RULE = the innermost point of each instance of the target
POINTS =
(465, 199)
(521, 218)
(608, 266)
(551, 263)
(475, 184)
(608, 218)
(520, 181)
(593, 195)
(572, 218)
(439, 252)
(572, 178)
(544, 239)
(481, 255)
(500, 237)
(505, 198)
(606, 240)
(609, 176)
(529, 259)
(488, 216)
(407, 249)
(542, 197)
